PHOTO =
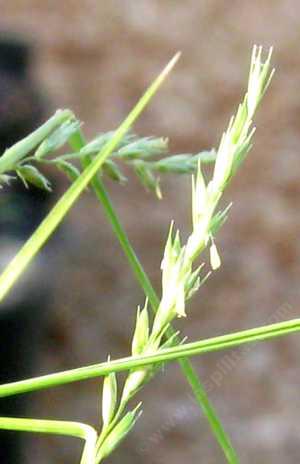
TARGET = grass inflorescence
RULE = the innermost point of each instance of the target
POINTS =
(154, 342)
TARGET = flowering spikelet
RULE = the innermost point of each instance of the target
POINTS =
(180, 278)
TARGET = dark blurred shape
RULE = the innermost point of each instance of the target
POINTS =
(15, 57)
(21, 105)
(21, 111)
(22, 315)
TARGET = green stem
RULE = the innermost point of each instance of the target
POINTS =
(66, 428)
(166, 355)
(72, 429)
(77, 141)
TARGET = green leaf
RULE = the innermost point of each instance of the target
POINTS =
(93, 147)
(57, 139)
(193, 282)
(141, 333)
(31, 175)
(109, 398)
(69, 169)
(118, 434)
(113, 171)
(175, 164)
(218, 220)
(143, 148)
(147, 178)
(17, 152)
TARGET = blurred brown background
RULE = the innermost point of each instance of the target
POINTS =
(96, 58)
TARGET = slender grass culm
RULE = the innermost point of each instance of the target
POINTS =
(154, 342)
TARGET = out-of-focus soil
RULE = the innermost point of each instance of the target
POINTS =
(96, 58)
